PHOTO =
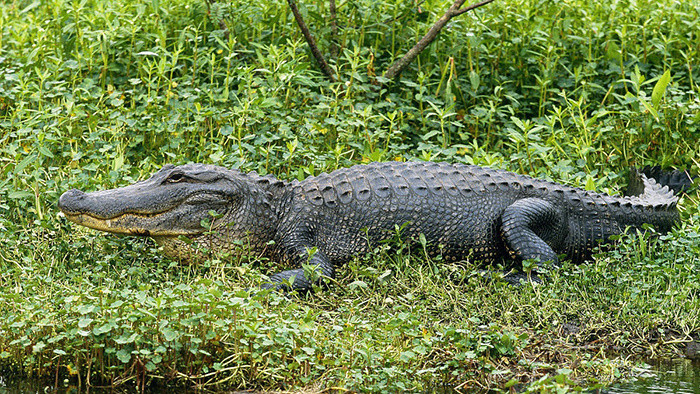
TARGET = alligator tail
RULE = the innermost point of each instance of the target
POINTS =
(653, 182)
(676, 180)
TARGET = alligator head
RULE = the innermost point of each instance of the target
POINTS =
(174, 202)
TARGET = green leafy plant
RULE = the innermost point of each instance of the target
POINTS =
(100, 94)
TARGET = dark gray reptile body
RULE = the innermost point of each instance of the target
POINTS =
(465, 212)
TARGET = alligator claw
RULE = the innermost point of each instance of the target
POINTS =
(518, 278)
(512, 278)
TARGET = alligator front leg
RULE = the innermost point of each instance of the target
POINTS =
(529, 227)
(298, 279)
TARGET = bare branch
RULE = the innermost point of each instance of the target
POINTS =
(334, 28)
(311, 42)
(395, 69)
(471, 7)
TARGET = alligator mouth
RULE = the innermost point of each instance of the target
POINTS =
(129, 223)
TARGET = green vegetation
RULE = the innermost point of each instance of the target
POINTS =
(98, 94)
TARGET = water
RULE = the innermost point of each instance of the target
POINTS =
(48, 386)
(679, 376)
(45, 386)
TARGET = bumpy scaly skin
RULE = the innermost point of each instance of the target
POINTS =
(463, 211)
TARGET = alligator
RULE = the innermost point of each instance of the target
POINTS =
(464, 212)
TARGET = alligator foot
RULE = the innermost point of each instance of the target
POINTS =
(518, 278)
(512, 278)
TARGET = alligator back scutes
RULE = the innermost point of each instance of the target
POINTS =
(314, 191)
(425, 179)
(422, 179)
(415, 180)
(400, 182)
(267, 181)
(379, 183)
(272, 187)
(448, 179)
(344, 189)
(360, 186)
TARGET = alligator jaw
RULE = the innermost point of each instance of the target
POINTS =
(128, 224)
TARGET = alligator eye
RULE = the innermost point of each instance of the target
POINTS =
(175, 178)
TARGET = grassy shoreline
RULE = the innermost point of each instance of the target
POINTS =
(99, 94)
(412, 329)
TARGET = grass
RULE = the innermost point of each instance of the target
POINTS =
(98, 94)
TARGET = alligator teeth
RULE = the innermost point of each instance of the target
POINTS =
(109, 223)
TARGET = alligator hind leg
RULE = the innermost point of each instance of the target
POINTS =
(529, 226)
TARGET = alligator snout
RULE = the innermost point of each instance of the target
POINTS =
(70, 200)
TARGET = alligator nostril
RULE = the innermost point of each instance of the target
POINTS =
(68, 199)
